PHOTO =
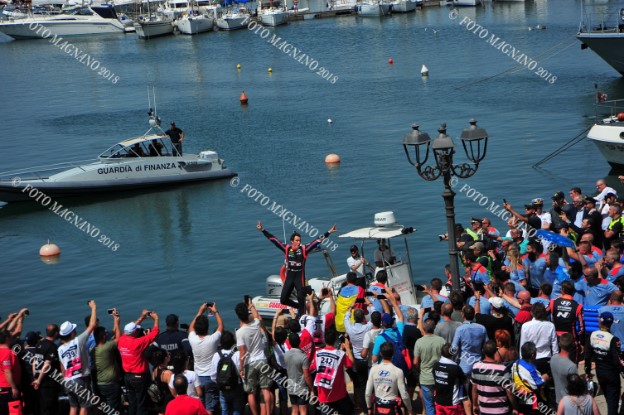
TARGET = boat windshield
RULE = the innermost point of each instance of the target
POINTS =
(156, 147)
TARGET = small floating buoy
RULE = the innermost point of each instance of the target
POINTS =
(390, 61)
(49, 250)
(243, 98)
(270, 70)
(620, 116)
(329, 121)
(238, 66)
(332, 159)
(424, 71)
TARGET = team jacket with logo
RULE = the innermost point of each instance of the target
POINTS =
(603, 348)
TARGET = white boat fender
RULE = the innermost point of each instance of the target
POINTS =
(424, 71)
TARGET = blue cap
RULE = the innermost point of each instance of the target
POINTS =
(606, 317)
(387, 320)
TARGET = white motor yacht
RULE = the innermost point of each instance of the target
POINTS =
(83, 21)
(136, 163)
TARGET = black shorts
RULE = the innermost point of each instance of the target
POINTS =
(297, 400)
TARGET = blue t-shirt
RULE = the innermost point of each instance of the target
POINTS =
(535, 270)
(556, 278)
(614, 273)
(394, 333)
(484, 303)
(514, 310)
(468, 341)
(541, 300)
(427, 302)
(598, 294)
(617, 328)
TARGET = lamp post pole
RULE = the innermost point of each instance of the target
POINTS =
(449, 203)
(443, 149)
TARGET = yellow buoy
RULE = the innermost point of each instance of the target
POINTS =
(332, 159)
(270, 70)
(238, 66)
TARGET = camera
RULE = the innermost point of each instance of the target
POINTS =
(209, 303)
(27, 312)
(111, 311)
(420, 287)
(184, 326)
(324, 291)
(247, 300)
(341, 338)
(148, 314)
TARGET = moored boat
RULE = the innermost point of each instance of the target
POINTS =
(403, 6)
(82, 21)
(194, 23)
(233, 19)
(604, 34)
(608, 133)
(136, 163)
(373, 9)
(273, 16)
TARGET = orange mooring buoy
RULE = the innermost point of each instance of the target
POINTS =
(243, 98)
(332, 159)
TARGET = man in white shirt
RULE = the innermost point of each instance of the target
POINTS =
(204, 347)
(73, 354)
(251, 342)
(604, 190)
(541, 332)
(356, 262)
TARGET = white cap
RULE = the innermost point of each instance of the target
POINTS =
(131, 327)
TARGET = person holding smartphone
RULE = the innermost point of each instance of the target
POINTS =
(295, 257)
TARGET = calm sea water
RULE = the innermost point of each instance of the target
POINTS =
(181, 247)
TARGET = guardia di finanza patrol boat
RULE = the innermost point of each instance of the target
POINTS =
(136, 163)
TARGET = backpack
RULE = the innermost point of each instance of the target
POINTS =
(153, 391)
(400, 357)
(227, 374)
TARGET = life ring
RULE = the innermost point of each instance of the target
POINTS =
(283, 268)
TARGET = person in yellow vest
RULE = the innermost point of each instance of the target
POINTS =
(615, 228)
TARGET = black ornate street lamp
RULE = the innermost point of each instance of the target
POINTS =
(474, 141)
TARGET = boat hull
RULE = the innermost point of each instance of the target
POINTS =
(273, 19)
(609, 138)
(609, 46)
(195, 25)
(404, 6)
(25, 191)
(231, 23)
(22, 29)
(148, 30)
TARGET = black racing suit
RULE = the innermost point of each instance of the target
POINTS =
(604, 348)
(295, 270)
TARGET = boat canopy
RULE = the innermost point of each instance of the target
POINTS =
(153, 145)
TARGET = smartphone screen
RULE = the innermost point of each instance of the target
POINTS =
(110, 311)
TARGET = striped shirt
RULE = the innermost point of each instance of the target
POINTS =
(491, 380)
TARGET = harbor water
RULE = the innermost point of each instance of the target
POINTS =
(183, 246)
